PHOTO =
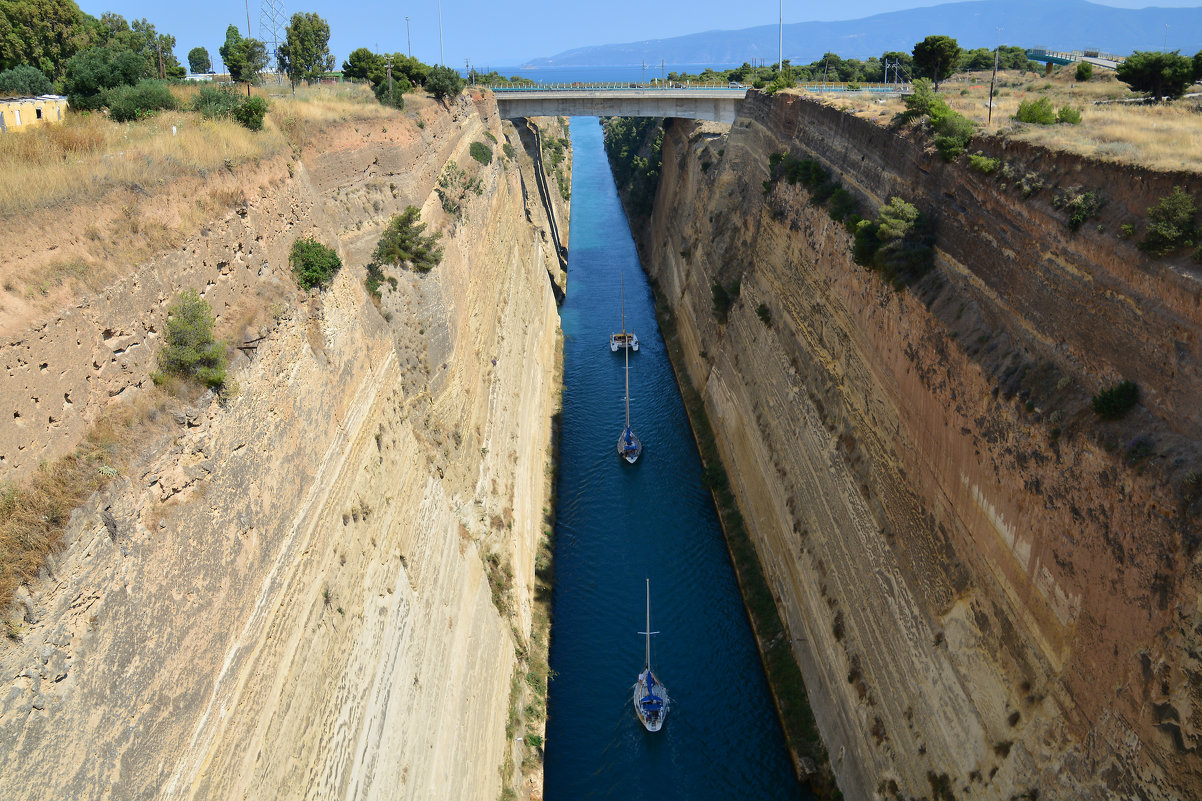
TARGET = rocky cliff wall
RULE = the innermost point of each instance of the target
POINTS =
(289, 594)
(988, 592)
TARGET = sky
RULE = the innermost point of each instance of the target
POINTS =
(491, 34)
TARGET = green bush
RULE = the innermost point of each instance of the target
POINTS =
(1069, 115)
(396, 97)
(781, 81)
(898, 243)
(128, 103)
(843, 205)
(404, 243)
(983, 164)
(764, 313)
(222, 102)
(190, 350)
(1113, 403)
(953, 131)
(481, 152)
(250, 113)
(1170, 223)
(444, 82)
(1084, 71)
(1079, 205)
(724, 298)
(215, 102)
(90, 73)
(1038, 111)
(24, 80)
(313, 264)
(510, 153)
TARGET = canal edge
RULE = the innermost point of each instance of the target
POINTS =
(785, 680)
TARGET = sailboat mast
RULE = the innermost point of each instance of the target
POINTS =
(627, 351)
(648, 624)
(622, 306)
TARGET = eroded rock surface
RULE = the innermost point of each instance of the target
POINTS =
(988, 592)
(288, 596)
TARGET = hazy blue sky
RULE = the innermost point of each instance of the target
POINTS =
(499, 33)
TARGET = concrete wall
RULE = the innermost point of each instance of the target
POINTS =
(20, 112)
(718, 105)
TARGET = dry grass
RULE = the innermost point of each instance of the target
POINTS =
(34, 514)
(312, 109)
(88, 156)
(1160, 136)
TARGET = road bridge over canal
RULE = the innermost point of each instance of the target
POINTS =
(718, 104)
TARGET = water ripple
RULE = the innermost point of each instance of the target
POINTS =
(618, 524)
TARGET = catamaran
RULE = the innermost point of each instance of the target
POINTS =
(629, 446)
(626, 339)
(650, 697)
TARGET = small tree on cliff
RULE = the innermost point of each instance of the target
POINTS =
(403, 243)
(190, 351)
(936, 57)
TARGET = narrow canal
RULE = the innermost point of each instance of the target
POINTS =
(620, 523)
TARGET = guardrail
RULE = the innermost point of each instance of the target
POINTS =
(894, 88)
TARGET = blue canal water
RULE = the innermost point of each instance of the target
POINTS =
(618, 524)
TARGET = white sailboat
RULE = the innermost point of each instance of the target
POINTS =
(650, 697)
(626, 339)
(629, 446)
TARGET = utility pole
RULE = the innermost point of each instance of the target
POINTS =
(409, 37)
(162, 75)
(1165, 49)
(442, 59)
(993, 80)
(247, 4)
(467, 70)
(780, 41)
(663, 76)
(644, 71)
(388, 68)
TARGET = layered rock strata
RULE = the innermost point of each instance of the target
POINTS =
(290, 595)
(990, 593)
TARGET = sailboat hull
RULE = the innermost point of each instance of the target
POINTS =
(623, 340)
(629, 446)
(650, 701)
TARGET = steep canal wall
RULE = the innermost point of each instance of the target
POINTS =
(991, 592)
(323, 585)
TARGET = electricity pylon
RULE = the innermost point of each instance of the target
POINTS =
(272, 24)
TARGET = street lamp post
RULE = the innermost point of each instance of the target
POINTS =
(780, 41)
(409, 37)
(441, 56)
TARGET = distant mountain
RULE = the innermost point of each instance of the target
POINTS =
(1057, 24)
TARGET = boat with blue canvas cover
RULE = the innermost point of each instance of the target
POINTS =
(650, 696)
(629, 446)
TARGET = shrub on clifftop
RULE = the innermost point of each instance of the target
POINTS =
(444, 82)
(190, 351)
(313, 264)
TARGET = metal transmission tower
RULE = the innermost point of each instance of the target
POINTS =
(272, 23)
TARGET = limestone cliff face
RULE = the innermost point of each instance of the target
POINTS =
(989, 592)
(288, 596)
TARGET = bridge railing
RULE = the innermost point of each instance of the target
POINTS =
(579, 86)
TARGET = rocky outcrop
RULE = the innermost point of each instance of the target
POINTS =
(990, 592)
(291, 592)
